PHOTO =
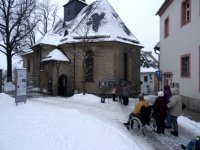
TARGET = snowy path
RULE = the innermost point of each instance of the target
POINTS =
(79, 123)
(109, 114)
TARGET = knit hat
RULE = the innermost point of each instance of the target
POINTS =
(166, 87)
(160, 93)
(141, 96)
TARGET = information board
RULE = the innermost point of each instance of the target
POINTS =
(21, 86)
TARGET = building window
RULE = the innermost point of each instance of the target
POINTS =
(145, 78)
(185, 12)
(88, 66)
(185, 66)
(68, 12)
(28, 65)
(166, 27)
(125, 67)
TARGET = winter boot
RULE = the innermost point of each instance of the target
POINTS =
(126, 123)
(175, 133)
(183, 147)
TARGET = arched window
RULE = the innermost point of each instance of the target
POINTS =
(88, 66)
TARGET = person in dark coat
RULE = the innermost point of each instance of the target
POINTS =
(167, 96)
(167, 93)
(103, 94)
(160, 112)
(125, 95)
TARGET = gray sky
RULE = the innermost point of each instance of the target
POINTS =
(138, 15)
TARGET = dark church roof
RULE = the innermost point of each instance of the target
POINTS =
(96, 22)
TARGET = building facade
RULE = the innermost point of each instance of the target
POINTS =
(180, 48)
(90, 47)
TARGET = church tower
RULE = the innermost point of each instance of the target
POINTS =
(72, 8)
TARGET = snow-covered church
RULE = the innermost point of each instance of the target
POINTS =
(90, 49)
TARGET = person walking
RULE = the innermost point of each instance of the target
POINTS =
(160, 112)
(167, 95)
(125, 95)
(175, 109)
(103, 94)
(114, 91)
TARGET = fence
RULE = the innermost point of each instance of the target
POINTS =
(32, 86)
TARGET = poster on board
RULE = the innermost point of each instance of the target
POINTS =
(21, 85)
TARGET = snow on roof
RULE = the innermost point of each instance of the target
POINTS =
(148, 60)
(29, 51)
(96, 20)
(49, 39)
(99, 19)
(56, 55)
(147, 70)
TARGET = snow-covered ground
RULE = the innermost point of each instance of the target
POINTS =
(80, 122)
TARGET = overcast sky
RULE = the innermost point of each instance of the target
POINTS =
(138, 15)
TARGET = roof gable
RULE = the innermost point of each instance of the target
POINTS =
(98, 22)
(164, 7)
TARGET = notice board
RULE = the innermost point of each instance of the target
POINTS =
(21, 86)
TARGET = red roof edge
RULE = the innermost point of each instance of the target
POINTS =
(164, 7)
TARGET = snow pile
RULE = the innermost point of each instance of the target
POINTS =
(9, 86)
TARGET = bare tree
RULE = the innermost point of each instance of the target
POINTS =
(45, 17)
(14, 28)
(82, 33)
(47, 14)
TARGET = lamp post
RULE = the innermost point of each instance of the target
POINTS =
(157, 51)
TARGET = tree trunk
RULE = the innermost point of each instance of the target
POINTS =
(9, 66)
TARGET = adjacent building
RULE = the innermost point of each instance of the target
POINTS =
(180, 48)
(148, 78)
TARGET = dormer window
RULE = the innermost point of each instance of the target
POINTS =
(185, 12)
(66, 33)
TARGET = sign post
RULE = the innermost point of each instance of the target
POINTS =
(21, 86)
(158, 74)
(0, 80)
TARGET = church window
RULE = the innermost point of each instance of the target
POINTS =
(125, 66)
(88, 66)
(66, 33)
(68, 12)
